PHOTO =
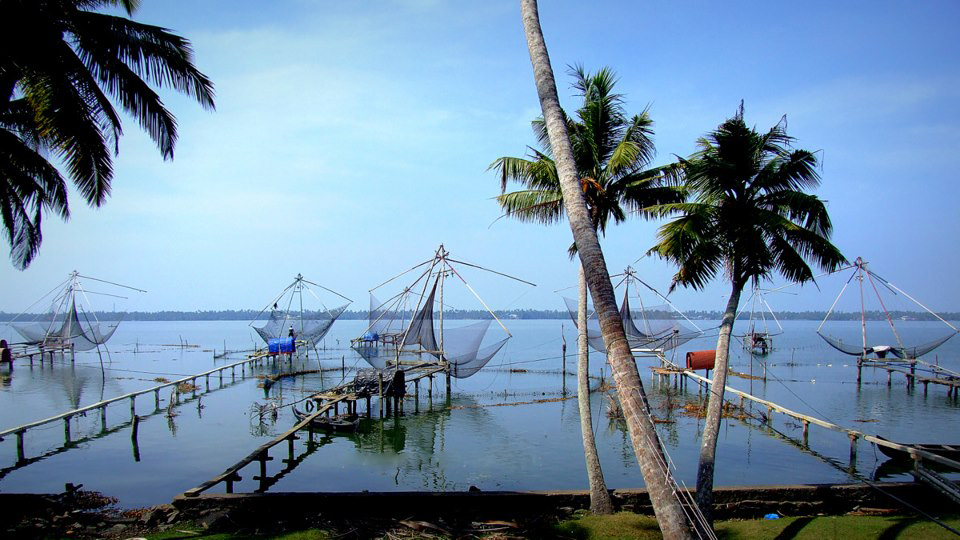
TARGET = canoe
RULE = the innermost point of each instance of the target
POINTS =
(950, 451)
(345, 423)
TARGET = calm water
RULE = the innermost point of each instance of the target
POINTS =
(491, 432)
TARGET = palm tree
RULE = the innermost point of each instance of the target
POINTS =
(62, 66)
(612, 152)
(750, 219)
(643, 435)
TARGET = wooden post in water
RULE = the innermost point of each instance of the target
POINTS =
(563, 350)
(380, 391)
(20, 456)
(133, 406)
(853, 449)
(103, 418)
(66, 429)
(806, 431)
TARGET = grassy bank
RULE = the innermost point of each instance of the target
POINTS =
(628, 526)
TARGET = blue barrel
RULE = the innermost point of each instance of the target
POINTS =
(281, 345)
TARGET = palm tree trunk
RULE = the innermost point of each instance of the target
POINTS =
(643, 435)
(600, 501)
(711, 429)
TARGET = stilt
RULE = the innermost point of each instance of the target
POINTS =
(889, 377)
(20, 457)
(853, 449)
(806, 432)
(66, 430)
(368, 406)
(859, 370)
(134, 442)
(416, 396)
(133, 406)
(103, 418)
(563, 351)
(380, 391)
(156, 399)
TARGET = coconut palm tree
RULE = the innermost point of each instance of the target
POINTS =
(62, 67)
(643, 435)
(750, 219)
(612, 152)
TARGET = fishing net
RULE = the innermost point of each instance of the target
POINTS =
(881, 351)
(392, 338)
(311, 327)
(76, 330)
(881, 321)
(648, 329)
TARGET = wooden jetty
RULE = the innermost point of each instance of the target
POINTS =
(325, 403)
(20, 431)
(909, 371)
(40, 351)
(922, 473)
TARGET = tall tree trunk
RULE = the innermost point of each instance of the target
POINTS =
(643, 435)
(600, 501)
(711, 429)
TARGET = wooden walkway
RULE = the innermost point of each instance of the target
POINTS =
(21, 430)
(324, 402)
(262, 454)
(919, 456)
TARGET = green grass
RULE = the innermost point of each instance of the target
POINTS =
(626, 525)
(632, 526)
(184, 531)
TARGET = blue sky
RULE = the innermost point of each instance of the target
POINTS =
(352, 138)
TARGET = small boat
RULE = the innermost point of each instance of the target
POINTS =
(344, 423)
(949, 451)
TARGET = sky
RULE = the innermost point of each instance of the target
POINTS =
(351, 139)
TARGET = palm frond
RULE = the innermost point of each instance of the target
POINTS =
(149, 51)
(533, 206)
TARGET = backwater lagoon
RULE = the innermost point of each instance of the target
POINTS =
(512, 426)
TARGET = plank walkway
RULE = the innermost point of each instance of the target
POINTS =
(326, 401)
(21, 430)
(918, 455)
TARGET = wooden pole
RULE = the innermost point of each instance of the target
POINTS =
(563, 350)
(20, 456)
(853, 449)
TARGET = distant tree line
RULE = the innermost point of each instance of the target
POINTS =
(460, 314)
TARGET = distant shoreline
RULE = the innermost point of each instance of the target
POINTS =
(516, 314)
